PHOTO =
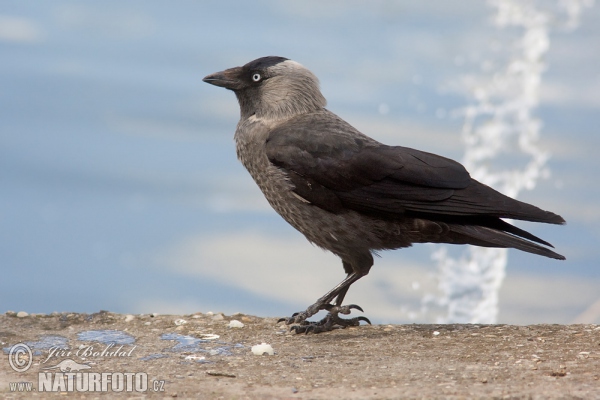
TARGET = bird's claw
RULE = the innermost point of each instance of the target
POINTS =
(296, 318)
(330, 322)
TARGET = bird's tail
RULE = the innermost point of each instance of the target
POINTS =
(503, 235)
(516, 209)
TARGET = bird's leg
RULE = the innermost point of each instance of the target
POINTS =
(324, 302)
(340, 297)
(331, 321)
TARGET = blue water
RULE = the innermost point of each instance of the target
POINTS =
(113, 152)
(44, 343)
(184, 343)
(154, 356)
(106, 337)
(192, 344)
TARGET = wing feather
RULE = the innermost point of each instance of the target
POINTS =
(335, 167)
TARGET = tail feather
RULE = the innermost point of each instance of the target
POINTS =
(506, 227)
(528, 212)
(493, 203)
(509, 238)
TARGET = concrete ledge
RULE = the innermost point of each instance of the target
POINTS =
(183, 357)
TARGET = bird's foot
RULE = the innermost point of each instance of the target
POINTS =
(330, 322)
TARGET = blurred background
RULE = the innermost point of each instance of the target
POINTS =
(120, 189)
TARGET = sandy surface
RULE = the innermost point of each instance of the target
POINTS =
(181, 357)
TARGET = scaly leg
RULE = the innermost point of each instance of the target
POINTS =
(332, 320)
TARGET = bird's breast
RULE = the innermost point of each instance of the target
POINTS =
(250, 138)
(334, 232)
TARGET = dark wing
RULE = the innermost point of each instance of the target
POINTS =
(335, 167)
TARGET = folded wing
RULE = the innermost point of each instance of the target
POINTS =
(335, 167)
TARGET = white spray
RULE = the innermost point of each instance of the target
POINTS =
(500, 125)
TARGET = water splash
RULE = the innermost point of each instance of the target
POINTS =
(500, 124)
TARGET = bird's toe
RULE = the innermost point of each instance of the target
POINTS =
(330, 322)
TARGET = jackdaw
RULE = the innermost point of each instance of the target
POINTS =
(351, 195)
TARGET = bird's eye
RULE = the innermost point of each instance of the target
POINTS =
(256, 77)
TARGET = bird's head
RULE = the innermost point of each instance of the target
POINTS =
(272, 88)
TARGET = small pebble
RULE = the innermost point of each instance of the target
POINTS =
(22, 314)
(208, 336)
(194, 357)
(180, 321)
(234, 323)
(218, 317)
(218, 373)
(435, 333)
(261, 349)
(129, 318)
(583, 354)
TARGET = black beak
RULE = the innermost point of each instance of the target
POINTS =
(229, 79)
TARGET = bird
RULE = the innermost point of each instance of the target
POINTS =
(352, 195)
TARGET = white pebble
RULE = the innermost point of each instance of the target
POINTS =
(261, 349)
(234, 323)
(22, 314)
(583, 354)
(180, 321)
(218, 317)
(195, 358)
(208, 336)
(129, 318)
(435, 333)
